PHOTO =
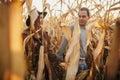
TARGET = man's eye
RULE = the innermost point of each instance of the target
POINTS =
(83, 16)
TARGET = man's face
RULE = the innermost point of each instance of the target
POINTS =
(83, 18)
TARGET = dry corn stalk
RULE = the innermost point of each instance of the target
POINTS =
(4, 48)
(40, 64)
(99, 46)
(73, 54)
(11, 53)
(113, 59)
(47, 62)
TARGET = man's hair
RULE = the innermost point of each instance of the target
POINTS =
(85, 9)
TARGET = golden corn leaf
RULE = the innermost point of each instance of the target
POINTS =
(73, 62)
(103, 25)
(99, 46)
(73, 54)
(64, 65)
(75, 38)
(89, 30)
(64, 17)
(90, 74)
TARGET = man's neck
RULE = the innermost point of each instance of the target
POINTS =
(82, 27)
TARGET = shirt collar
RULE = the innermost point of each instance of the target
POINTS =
(82, 27)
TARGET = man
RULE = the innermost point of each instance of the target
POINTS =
(84, 16)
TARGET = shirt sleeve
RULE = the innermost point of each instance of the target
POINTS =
(63, 45)
(62, 48)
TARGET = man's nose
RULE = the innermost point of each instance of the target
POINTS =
(81, 17)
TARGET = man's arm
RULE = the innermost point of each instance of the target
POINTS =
(62, 48)
(63, 45)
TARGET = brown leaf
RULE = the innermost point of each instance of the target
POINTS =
(82, 75)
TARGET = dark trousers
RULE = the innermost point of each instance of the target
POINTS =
(82, 66)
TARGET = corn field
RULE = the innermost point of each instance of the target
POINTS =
(103, 47)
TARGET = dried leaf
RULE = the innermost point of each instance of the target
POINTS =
(75, 38)
(64, 65)
(64, 17)
(82, 75)
(40, 64)
(89, 30)
(99, 46)
(73, 54)
(73, 63)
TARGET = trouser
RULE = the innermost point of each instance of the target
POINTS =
(82, 66)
